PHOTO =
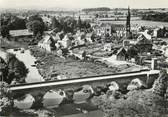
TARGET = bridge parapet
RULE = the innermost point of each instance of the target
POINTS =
(147, 77)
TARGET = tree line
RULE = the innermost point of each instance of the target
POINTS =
(36, 24)
(97, 9)
(163, 17)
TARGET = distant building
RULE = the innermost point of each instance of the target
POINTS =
(119, 30)
(103, 29)
(159, 32)
(110, 29)
(106, 29)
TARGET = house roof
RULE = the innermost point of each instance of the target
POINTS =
(146, 35)
(105, 25)
(24, 32)
(46, 39)
(121, 50)
(143, 40)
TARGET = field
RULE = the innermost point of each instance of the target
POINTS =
(67, 67)
(140, 23)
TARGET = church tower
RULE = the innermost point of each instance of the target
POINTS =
(128, 24)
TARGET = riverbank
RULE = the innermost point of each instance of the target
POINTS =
(11, 44)
(136, 103)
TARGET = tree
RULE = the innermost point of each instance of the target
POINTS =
(86, 25)
(55, 23)
(36, 27)
(132, 52)
(36, 24)
(3, 70)
(160, 85)
(17, 23)
(16, 68)
(5, 31)
(35, 17)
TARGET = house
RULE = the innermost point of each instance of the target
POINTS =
(102, 29)
(159, 32)
(121, 54)
(106, 29)
(107, 47)
(21, 33)
(80, 38)
(89, 38)
(145, 34)
(119, 30)
(47, 43)
(66, 42)
(144, 44)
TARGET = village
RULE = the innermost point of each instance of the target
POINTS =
(43, 47)
(124, 47)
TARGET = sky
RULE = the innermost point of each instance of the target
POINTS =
(79, 4)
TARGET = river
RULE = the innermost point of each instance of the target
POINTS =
(51, 98)
(28, 60)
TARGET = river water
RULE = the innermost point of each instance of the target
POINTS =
(28, 59)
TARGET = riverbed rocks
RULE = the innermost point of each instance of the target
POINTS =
(24, 102)
(136, 103)
(53, 99)
(136, 84)
(83, 94)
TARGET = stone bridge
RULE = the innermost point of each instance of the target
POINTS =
(123, 79)
(54, 93)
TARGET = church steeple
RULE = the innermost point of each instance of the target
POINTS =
(79, 23)
(128, 25)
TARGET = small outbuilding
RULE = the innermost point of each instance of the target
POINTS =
(47, 43)
(122, 54)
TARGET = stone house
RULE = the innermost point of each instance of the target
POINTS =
(118, 30)
(144, 44)
(103, 29)
(159, 32)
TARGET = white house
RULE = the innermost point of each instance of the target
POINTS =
(107, 47)
(66, 42)
(146, 35)
(46, 43)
